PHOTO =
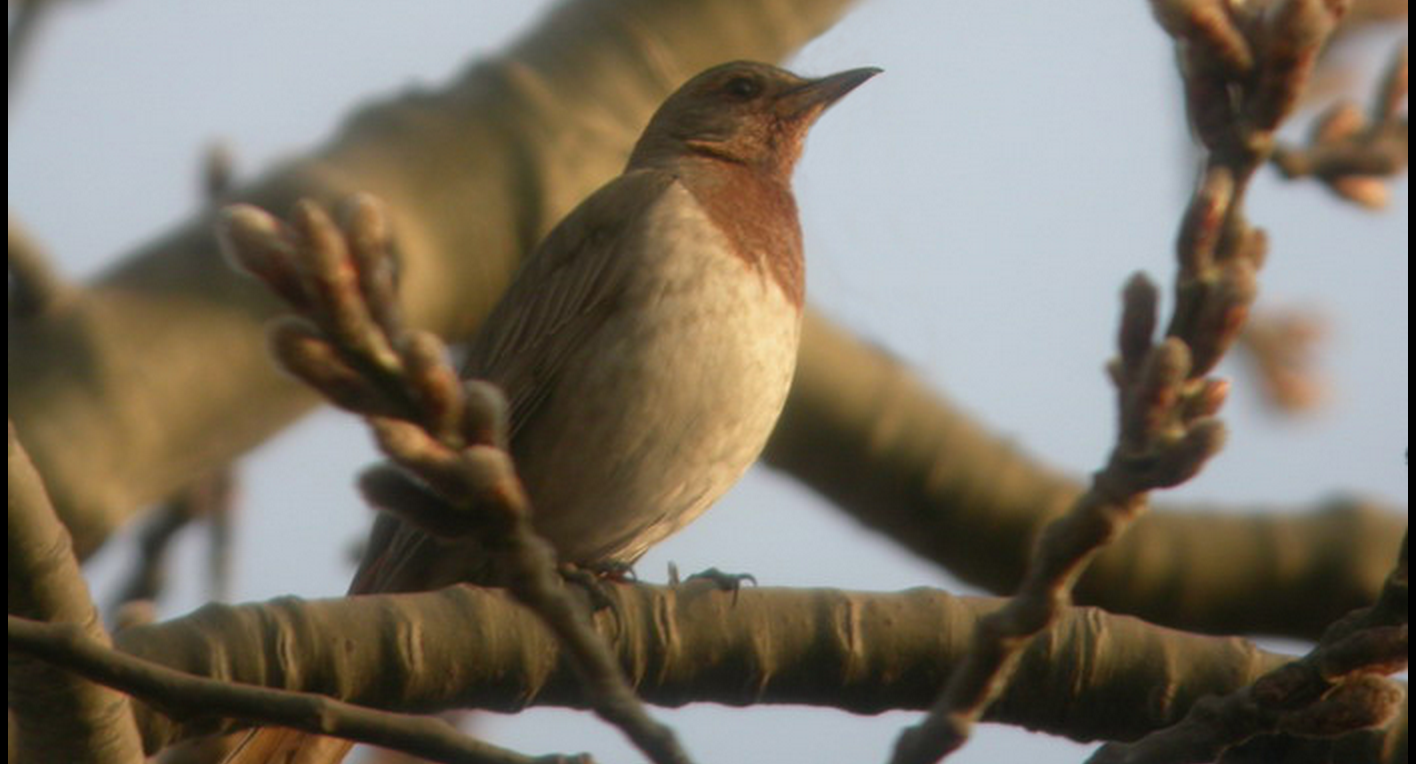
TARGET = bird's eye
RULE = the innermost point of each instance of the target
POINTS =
(743, 87)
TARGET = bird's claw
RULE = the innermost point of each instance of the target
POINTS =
(727, 582)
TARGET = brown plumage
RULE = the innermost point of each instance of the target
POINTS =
(647, 345)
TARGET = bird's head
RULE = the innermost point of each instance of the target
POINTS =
(742, 112)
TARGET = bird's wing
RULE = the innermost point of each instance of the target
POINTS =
(558, 297)
(552, 307)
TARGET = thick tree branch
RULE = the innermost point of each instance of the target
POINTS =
(872, 437)
(68, 647)
(35, 286)
(56, 716)
(1093, 676)
(1336, 688)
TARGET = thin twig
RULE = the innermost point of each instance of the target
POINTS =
(1354, 154)
(209, 498)
(218, 176)
(23, 31)
(1244, 70)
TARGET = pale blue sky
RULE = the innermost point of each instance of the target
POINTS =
(976, 208)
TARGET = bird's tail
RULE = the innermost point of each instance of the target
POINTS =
(278, 745)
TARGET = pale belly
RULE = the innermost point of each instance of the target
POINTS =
(664, 409)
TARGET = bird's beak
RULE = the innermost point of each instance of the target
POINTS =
(809, 100)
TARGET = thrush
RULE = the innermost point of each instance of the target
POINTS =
(647, 345)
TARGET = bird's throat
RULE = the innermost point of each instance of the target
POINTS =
(758, 213)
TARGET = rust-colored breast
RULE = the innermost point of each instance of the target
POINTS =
(759, 216)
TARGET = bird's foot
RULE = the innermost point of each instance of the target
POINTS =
(727, 582)
(596, 580)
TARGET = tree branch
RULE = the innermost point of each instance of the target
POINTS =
(36, 287)
(861, 429)
(1093, 675)
(1336, 688)
(56, 716)
(67, 646)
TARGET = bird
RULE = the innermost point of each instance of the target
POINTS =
(645, 347)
